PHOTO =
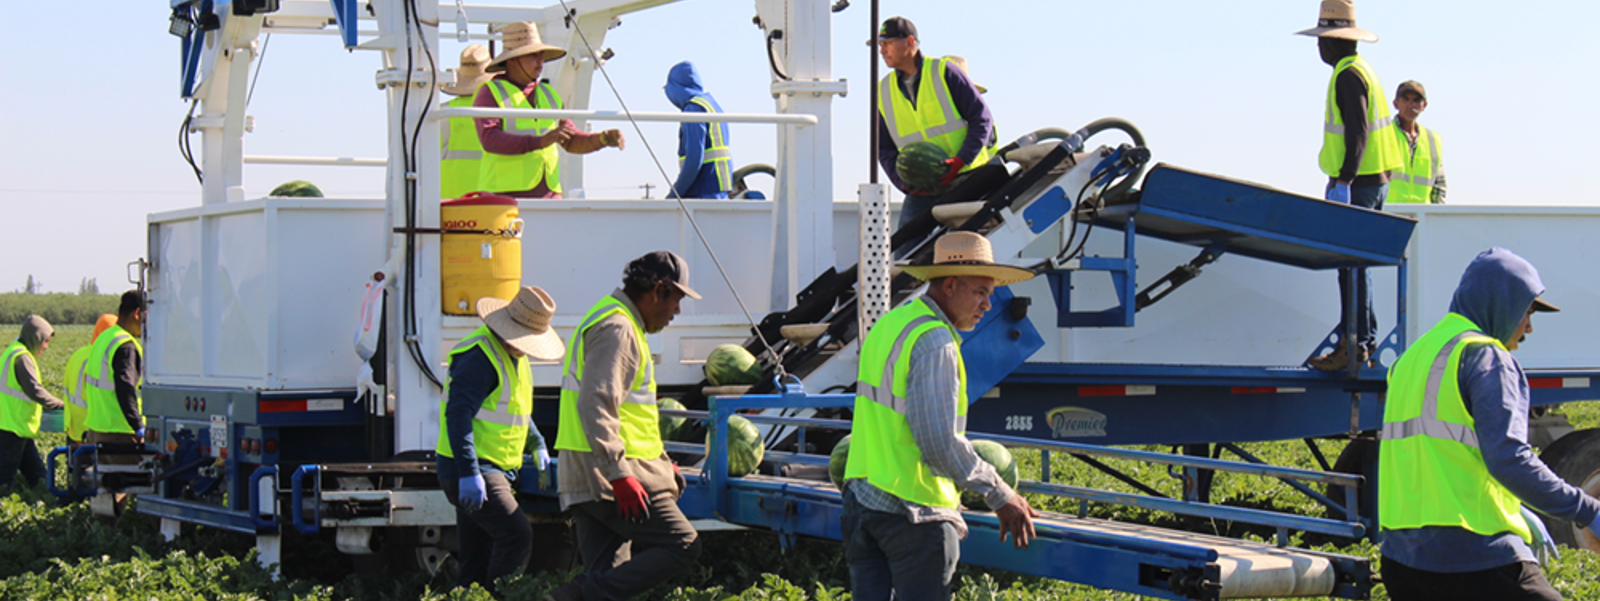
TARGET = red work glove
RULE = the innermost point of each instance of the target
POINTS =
(956, 165)
(632, 503)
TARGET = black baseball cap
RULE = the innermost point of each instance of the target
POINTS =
(667, 265)
(897, 27)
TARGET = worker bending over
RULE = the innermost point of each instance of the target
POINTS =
(22, 403)
(484, 426)
(615, 477)
(1454, 464)
(909, 454)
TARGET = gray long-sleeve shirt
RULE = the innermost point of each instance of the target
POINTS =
(931, 398)
(28, 382)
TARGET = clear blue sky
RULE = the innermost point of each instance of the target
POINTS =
(92, 112)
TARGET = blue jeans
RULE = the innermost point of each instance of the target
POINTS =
(1370, 197)
(892, 558)
(18, 454)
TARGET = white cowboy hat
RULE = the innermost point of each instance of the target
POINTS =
(521, 39)
(962, 62)
(1338, 20)
(966, 253)
(524, 322)
(471, 74)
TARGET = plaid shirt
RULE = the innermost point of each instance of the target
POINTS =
(931, 393)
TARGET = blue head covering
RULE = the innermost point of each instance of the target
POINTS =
(1496, 291)
(683, 83)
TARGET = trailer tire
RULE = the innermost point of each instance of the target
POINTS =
(1576, 459)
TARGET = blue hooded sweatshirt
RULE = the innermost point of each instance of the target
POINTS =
(1495, 293)
(695, 180)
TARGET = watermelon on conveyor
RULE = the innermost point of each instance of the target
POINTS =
(837, 461)
(732, 365)
(671, 427)
(744, 447)
(921, 164)
(999, 456)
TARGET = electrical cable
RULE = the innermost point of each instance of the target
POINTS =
(682, 206)
(256, 77)
(185, 148)
(408, 152)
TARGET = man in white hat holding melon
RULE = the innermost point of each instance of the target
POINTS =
(902, 525)
(1358, 152)
(484, 425)
(460, 152)
(521, 158)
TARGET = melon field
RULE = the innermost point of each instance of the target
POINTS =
(53, 552)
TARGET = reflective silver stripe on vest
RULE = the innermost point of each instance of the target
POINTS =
(5, 375)
(1419, 180)
(1338, 128)
(570, 381)
(1428, 423)
(952, 120)
(718, 155)
(462, 155)
(484, 413)
(1425, 181)
(103, 383)
(510, 92)
(642, 397)
(499, 417)
(883, 393)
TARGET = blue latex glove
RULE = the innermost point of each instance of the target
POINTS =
(541, 460)
(1594, 528)
(473, 493)
(139, 433)
(1340, 192)
(1543, 547)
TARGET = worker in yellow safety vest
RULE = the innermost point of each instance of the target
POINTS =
(459, 150)
(932, 100)
(77, 409)
(484, 427)
(1358, 152)
(1454, 464)
(23, 400)
(615, 478)
(520, 157)
(113, 377)
(908, 453)
(705, 161)
(1420, 178)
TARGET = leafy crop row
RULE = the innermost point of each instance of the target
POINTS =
(58, 308)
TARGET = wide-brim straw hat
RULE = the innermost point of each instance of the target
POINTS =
(471, 73)
(962, 62)
(966, 253)
(524, 322)
(522, 39)
(1338, 20)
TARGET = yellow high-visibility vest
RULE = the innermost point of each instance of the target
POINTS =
(77, 409)
(1383, 151)
(1430, 468)
(882, 449)
(641, 428)
(719, 152)
(520, 172)
(105, 413)
(459, 154)
(936, 121)
(18, 414)
(500, 428)
(1413, 181)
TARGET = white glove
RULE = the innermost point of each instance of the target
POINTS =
(365, 385)
(541, 460)
(1543, 547)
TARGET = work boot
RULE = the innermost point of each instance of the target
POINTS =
(1339, 359)
(571, 591)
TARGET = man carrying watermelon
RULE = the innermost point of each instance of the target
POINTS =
(902, 525)
(520, 157)
(932, 104)
(615, 477)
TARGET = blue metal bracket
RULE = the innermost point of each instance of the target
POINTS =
(1122, 270)
(255, 486)
(344, 13)
(50, 482)
(297, 495)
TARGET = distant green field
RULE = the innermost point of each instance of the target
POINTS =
(50, 552)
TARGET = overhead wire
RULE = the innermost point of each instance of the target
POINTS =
(682, 206)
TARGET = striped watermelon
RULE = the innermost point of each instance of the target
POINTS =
(299, 187)
(920, 165)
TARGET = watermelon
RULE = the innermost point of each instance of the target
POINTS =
(744, 447)
(671, 427)
(837, 460)
(921, 164)
(999, 456)
(299, 187)
(732, 365)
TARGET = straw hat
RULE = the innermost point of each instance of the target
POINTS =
(522, 39)
(962, 62)
(966, 253)
(524, 322)
(1338, 20)
(471, 74)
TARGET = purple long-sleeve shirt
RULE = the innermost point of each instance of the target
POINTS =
(969, 104)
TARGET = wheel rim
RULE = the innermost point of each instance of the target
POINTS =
(1585, 538)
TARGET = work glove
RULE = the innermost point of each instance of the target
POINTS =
(613, 137)
(541, 460)
(954, 167)
(1339, 192)
(365, 385)
(1543, 547)
(632, 502)
(472, 494)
